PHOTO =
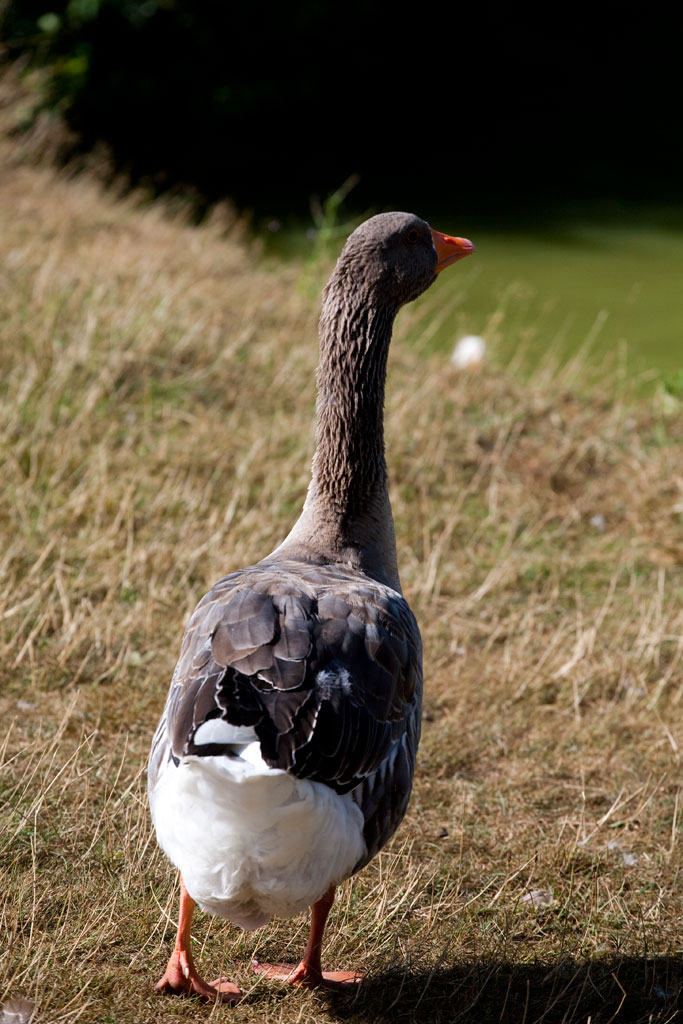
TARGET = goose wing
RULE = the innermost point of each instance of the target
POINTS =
(323, 665)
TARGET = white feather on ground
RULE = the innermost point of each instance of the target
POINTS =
(469, 351)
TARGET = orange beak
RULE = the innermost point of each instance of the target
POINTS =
(449, 249)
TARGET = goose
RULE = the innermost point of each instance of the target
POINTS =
(284, 757)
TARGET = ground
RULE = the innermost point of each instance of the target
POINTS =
(157, 385)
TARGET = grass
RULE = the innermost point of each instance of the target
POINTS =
(611, 284)
(155, 433)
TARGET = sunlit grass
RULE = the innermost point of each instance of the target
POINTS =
(613, 288)
(155, 433)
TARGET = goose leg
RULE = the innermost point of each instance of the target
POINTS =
(181, 975)
(309, 972)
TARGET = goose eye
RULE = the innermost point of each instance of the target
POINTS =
(412, 236)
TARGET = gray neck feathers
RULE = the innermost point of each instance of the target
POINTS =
(347, 515)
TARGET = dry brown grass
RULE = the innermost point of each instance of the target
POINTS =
(156, 431)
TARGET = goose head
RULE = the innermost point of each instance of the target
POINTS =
(394, 257)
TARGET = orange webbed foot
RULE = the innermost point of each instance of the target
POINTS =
(181, 978)
(306, 974)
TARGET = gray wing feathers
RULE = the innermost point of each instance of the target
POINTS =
(383, 796)
(325, 667)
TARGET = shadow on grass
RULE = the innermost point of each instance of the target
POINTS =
(620, 989)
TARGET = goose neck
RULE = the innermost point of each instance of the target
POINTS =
(347, 514)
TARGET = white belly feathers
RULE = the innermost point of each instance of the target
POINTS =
(252, 841)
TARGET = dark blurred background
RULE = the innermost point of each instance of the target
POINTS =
(481, 108)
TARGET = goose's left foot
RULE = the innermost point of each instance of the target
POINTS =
(181, 977)
(309, 972)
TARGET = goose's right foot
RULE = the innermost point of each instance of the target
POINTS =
(309, 972)
(308, 975)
